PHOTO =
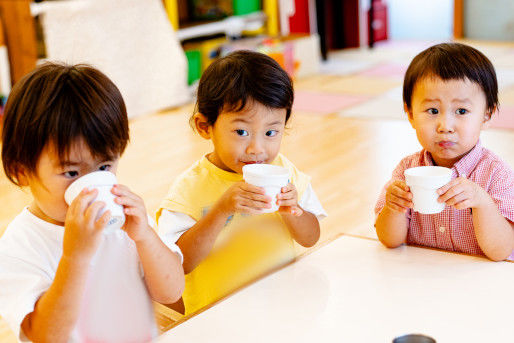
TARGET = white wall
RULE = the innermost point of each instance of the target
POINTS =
(420, 19)
(492, 19)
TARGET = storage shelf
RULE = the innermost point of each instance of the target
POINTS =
(231, 26)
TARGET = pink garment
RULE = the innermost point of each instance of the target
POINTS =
(452, 229)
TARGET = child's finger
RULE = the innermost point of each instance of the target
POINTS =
(463, 204)
(248, 210)
(400, 201)
(401, 193)
(289, 202)
(120, 189)
(254, 204)
(286, 196)
(92, 211)
(134, 211)
(124, 191)
(101, 223)
(83, 200)
(128, 201)
(251, 188)
(456, 199)
(256, 197)
(450, 193)
(402, 185)
(290, 187)
(449, 185)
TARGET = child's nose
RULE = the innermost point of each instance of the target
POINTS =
(445, 123)
(255, 147)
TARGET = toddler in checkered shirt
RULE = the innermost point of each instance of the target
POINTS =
(450, 92)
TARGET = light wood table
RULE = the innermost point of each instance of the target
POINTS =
(355, 290)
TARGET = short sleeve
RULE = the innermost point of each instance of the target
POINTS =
(166, 236)
(310, 203)
(172, 225)
(397, 175)
(21, 285)
(501, 190)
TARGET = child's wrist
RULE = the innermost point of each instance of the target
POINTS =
(484, 200)
(76, 260)
(145, 235)
(394, 210)
(222, 210)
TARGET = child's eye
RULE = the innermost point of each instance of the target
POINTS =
(433, 111)
(242, 132)
(462, 111)
(271, 133)
(105, 167)
(71, 174)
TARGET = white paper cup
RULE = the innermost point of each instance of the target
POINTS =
(423, 183)
(271, 178)
(103, 181)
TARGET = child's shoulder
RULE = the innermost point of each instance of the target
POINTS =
(416, 159)
(198, 170)
(27, 235)
(27, 224)
(491, 163)
(298, 178)
(283, 161)
(24, 221)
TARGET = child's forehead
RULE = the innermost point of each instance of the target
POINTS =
(434, 82)
(75, 152)
(255, 111)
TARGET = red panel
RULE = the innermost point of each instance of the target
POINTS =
(379, 21)
(350, 24)
(299, 22)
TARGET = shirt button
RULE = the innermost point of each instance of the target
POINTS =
(442, 229)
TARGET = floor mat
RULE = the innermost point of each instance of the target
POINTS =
(325, 103)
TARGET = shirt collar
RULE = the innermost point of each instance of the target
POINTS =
(468, 162)
(223, 174)
(465, 165)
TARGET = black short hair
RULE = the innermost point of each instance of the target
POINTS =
(58, 104)
(242, 76)
(452, 61)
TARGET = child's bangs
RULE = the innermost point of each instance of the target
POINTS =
(95, 121)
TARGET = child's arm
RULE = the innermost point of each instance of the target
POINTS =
(56, 312)
(164, 275)
(392, 224)
(197, 242)
(303, 225)
(494, 233)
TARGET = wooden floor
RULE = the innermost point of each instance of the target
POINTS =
(349, 160)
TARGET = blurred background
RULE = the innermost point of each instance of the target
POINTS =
(164, 45)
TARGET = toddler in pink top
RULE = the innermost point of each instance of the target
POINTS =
(450, 92)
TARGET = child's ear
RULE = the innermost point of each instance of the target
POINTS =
(408, 112)
(202, 125)
(487, 117)
(22, 177)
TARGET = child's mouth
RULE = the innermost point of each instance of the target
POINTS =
(446, 144)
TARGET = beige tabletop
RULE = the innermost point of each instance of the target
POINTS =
(356, 290)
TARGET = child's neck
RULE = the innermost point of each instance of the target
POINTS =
(35, 210)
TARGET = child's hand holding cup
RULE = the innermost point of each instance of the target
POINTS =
(271, 178)
(424, 183)
(103, 181)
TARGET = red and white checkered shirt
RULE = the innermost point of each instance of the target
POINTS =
(452, 229)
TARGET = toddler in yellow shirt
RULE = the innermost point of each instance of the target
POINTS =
(244, 102)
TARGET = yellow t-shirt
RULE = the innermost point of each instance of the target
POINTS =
(246, 248)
